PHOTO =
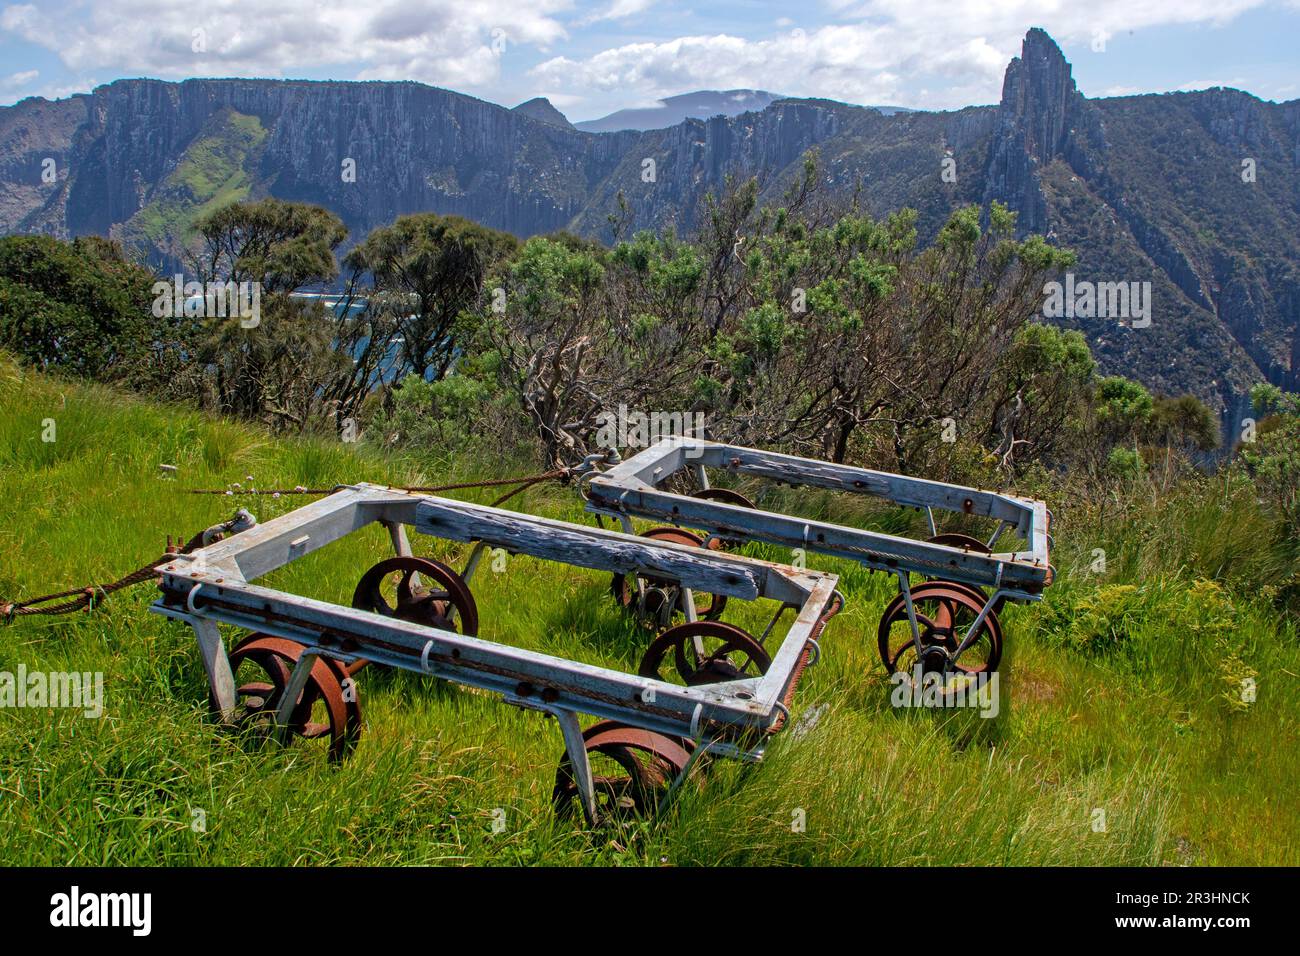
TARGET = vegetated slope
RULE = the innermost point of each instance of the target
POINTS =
(367, 151)
(217, 168)
(1121, 694)
(700, 104)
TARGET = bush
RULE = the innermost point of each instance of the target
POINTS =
(1272, 460)
(1124, 463)
(1164, 629)
(458, 413)
(76, 306)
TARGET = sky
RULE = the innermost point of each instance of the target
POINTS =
(591, 58)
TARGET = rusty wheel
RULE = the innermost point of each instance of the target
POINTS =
(663, 597)
(351, 696)
(944, 613)
(631, 770)
(704, 652)
(262, 664)
(418, 590)
(727, 497)
(955, 539)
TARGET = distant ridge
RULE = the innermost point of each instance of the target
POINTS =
(701, 104)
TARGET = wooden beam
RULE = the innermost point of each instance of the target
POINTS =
(592, 547)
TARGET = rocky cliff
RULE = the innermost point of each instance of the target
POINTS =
(1195, 193)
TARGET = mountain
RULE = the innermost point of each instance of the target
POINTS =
(541, 109)
(135, 155)
(1196, 194)
(36, 145)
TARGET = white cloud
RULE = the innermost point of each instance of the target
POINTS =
(16, 82)
(561, 101)
(445, 42)
(21, 85)
(955, 51)
(929, 53)
(617, 10)
(1063, 19)
(1194, 85)
(857, 63)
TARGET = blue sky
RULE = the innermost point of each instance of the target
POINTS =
(591, 58)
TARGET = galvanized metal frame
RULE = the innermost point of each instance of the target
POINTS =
(631, 489)
(212, 585)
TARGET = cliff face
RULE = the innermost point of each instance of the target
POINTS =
(1195, 193)
(36, 145)
(368, 151)
(1039, 109)
(665, 174)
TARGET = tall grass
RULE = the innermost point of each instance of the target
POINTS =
(1122, 736)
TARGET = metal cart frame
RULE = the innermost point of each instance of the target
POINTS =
(212, 586)
(631, 488)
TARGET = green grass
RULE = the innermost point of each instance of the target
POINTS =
(1118, 695)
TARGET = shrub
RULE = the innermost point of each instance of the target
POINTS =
(77, 306)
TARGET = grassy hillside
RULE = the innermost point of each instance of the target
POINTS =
(1119, 694)
(214, 171)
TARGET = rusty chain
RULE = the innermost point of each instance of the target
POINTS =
(525, 481)
(93, 595)
(806, 657)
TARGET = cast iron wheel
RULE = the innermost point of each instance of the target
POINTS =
(944, 613)
(727, 497)
(704, 652)
(955, 539)
(663, 597)
(262, 665)
(423, 591)
(631, 770)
